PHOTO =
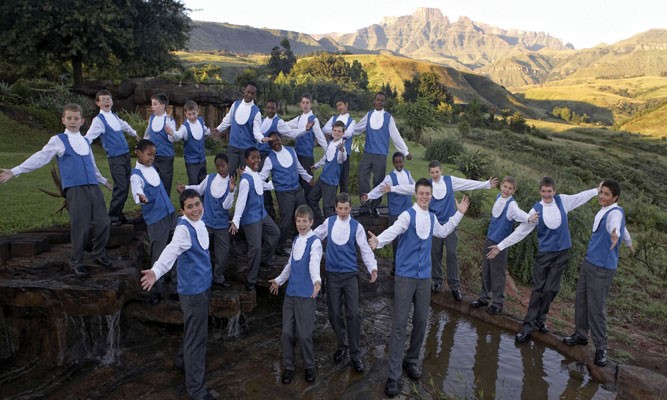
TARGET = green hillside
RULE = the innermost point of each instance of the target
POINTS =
(652, 123)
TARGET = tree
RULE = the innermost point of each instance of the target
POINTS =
(417, 116)
(282, 58)
(427, 85)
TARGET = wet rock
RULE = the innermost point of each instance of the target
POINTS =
(640, 383)
(121, 235)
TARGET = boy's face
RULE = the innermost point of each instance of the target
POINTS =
(72, 120)
(147, 156)
(424, 194)
(221, 167)
(193, 209)
(337, 132)
(343, 210)
(341, 107)
(271, 109)
(378, 103)
(104, 103)
(306, 105)
(192, 115)
(398, 163)
(507, 189)
(276, 142)
(157, 108)
(253, 161)
(547, 193)
(605, 197)
(249, 93)
(435, 173)
(303, 224)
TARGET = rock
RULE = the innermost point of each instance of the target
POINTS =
(640, 383)
(29, 247)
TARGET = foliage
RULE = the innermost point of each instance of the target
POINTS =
(426, 85)
(416, 116)
(331, 68)
(566, 114)
(463, 130)
(445, 150)
(282, 58)
(474, 164)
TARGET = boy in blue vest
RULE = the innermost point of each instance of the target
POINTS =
(259, 229)
(156, 208)
(302, 272)
(553, 242)
(109, 128)
(326, 186)
(504, 213)
(598, 270)
(193, 132)
(379, 126)
(412, 281)
(79, 178)
(160, 131)
(350, 125)
(190, 247)
(344, 234)
(285, 169)
(217, 190)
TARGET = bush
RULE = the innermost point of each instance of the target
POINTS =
(444, 150)
(473, 164)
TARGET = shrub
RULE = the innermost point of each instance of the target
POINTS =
(444, 150)
(473, 164)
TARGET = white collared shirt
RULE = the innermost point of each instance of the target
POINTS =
(218, 189)
(137, 184)
(377, 119)
(350, 131)
(298, 249)
(614, 220)
(402, 178)
(340, 233)
(422, 226)
(285, 160)
(241, 115)
(330, 153)
(160, 122)
(514, 213)
(180, 243)
(281, 127)
(300, 123)
(97, 126)
(244, 188)
(195, 129)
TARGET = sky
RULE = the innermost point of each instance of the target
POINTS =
(584, 23)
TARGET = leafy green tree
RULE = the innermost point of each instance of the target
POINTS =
(427, 85)
(417, 116)
(282, 58)
(328, 67)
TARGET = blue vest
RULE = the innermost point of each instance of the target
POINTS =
(342, 258)
(501, 227)
(159, 205)
(599, 251)
(300, 284)
(413, 255)
(331, 171)
(377, 141)
(284, 179)
(266, 147)
(254, 207)
(193, 149)
(165, 148)
(553, 240)
(113, 141)
(304, 144)
(194, 266)
(445, 207)
(348, 142)
(215, 215)
(75, 169)
(398, 203)
(242, 136)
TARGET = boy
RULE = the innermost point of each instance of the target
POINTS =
(553, 239)
(504, 213)
(285, 169)
(160, 131)
(341, 276)
(190, 246)
(193, 131)
(326, 186)
(110, 128)
(79, 179)
(259, 229)
(380, 127)
(304, 144)
(156, 208)
(218, 192)
(303, 272)
(412, 280)
(597, 272)
(350, 125)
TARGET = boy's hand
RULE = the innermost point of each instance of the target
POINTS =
(148, 279)
(374, 275)
(463, 205)
(316, 289)
(275, 288)
(142, 199)
(600, 186)
(408, 157)
(372, 240)
(313, 168)
(341, 146)
(232, 228)
(169, 131)
(493, 252)
(180, 187)
(363, 198)
(493, 181)
(5, 175)
(534, 218)
(310, 124)
(311, 182)
(109, 186)
(239, 171)
(614, 238)
(266, 139)
(232, 183)
(386, 188)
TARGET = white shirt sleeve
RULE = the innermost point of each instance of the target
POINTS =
(366, 252)
(181, 133)
(519, 233)
(315, 261)
(459, 184)
(351, 131)
(227, 120)
(360, 127)
(572, 201)
(266, 168)
(404, 188)
(241, 200)
(284, 275)
(327, 129)
(179, 244)
(448, 227)
(257, 127)
(377, 192)
(285, 130)
(169, 122)
(137, 185)
(125, 127)
(53, 148)
(398, 228)
(98, 174)
(201, 188)
(323, 230)
(96, 129)
(302, 172)
(614, 223)
(514, 213)
(319, 135)
(395, 136)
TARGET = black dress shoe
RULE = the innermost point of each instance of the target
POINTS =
(288, 374)
(391, 388)
(541, 326)
(456, 294)
(523, 336)
(358, 366)
(80, 270)
(600, 358)
(310, 375)
(575, 340)
(338, 355)
(412, 370)
(375, 212)
(250, 287)
(280, 251)
(436, 287)
(104, 261)
(479, 303)
(493, 310)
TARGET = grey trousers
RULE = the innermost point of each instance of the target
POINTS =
(394, 243)
(87, 214)
(268, 197)
(196, 172)
(262, 237)
(236, 159)
(298, 324)
(344, 184)
(158, 235)
(192, 353)
(493, 276)
(221, 246)
(547, 273)
(590, 307)
(451, 263)
(343, 309)
(327, 193)
(408, 291)
(375, 164)
(165, 168)
(287, 204)
(306, 163)
(121, 170)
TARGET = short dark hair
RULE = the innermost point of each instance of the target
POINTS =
(397, 154)
(221, 156)
(343, 198)
(143, 144)
(103, 92)
(250, 83)
(613, 186)
(307, 96)
(73, 107)
(304, 210)
(274, 101)
(340, 100)
(188, 194)
(547, 181)
(249, 150)
(434, 164)
(380, 94)
(273, 133)
(190, 105)
(423, 182)
(510, 179)
(339, 124)
(161, 98)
